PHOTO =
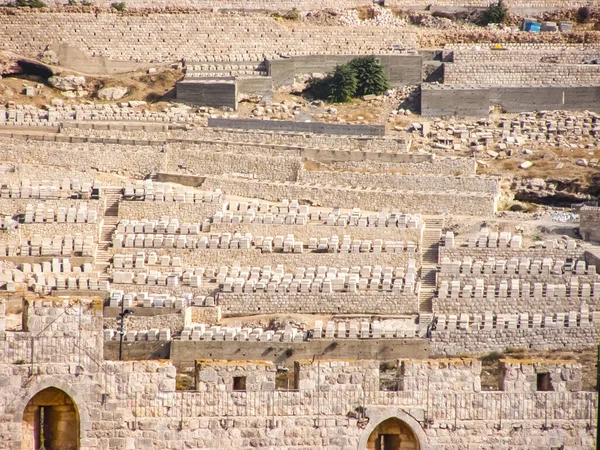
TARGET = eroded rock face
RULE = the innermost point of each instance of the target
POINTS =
(112, 93)
(68, 83)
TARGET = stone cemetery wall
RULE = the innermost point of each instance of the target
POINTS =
(334, 303)
(131, 160)
(174, 322)
(168, 37)
(435, 166)
(190, 160)
(186, 212)
(348, 197)
(458, 334)
(303, 140)
(589, 223)
(215, 93)
(401, 69)
(474, 101)
(521, 53)
(487, 253)
(305, 232)
(520, 73)
(299, 127)
(403, 182)
(215, 258)
(281, 6)
(519, 4)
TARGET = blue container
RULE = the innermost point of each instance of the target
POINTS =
(533, 27)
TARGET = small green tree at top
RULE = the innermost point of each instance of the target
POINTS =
(370, 77)
(496, 13)
(359, 77)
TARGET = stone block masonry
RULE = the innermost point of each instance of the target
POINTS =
(318, 303)
(432, 202)
(281, 6)
(197, 36)
(589, 219)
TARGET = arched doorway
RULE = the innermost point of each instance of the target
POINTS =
(392, 434)
(50, 422)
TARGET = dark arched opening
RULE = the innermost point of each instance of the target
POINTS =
(393, 434)
(50, 422)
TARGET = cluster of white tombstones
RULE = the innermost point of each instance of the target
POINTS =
(57, 246)
(489, 321)
(147, 190)
(49, 190)
(120, 299)
(292, 213)
(74, 214)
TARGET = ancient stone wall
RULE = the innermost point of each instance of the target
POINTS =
(343, 303)
(528, 4)
(168, 37)
(520, 73)
(133, 160)
(589, 223)
(524, 375)
(403, 182)
(281, 6)
(431, 202)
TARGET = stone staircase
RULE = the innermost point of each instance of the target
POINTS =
(111, 219)
(429, 263)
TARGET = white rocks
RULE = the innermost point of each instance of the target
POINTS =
(112, 93)
(526, 165)
(68, 83)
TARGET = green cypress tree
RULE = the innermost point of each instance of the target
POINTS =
(370, 77)
(343, 84)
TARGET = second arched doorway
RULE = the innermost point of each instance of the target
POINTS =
(392, 434)
(50, 422)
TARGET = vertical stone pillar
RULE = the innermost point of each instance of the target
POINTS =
(30, 434)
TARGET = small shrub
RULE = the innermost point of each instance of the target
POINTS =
(118, 6)
(444, 15)
(277, 15)
(496, 13)
(584, 14)
(29, 4)
(491, 357)
(292, 15)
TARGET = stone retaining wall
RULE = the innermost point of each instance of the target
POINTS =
(402, 182)
(167, 37)
(342, 303)
(281, 6)
(520, 73)
(430, 202)
(290, 261)
(547, 54)
(189, 160)
(134, 161)
(444, 342)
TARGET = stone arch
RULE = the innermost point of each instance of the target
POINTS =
(392, 421)
(51, 391)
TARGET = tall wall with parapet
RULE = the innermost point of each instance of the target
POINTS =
(338, 405)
